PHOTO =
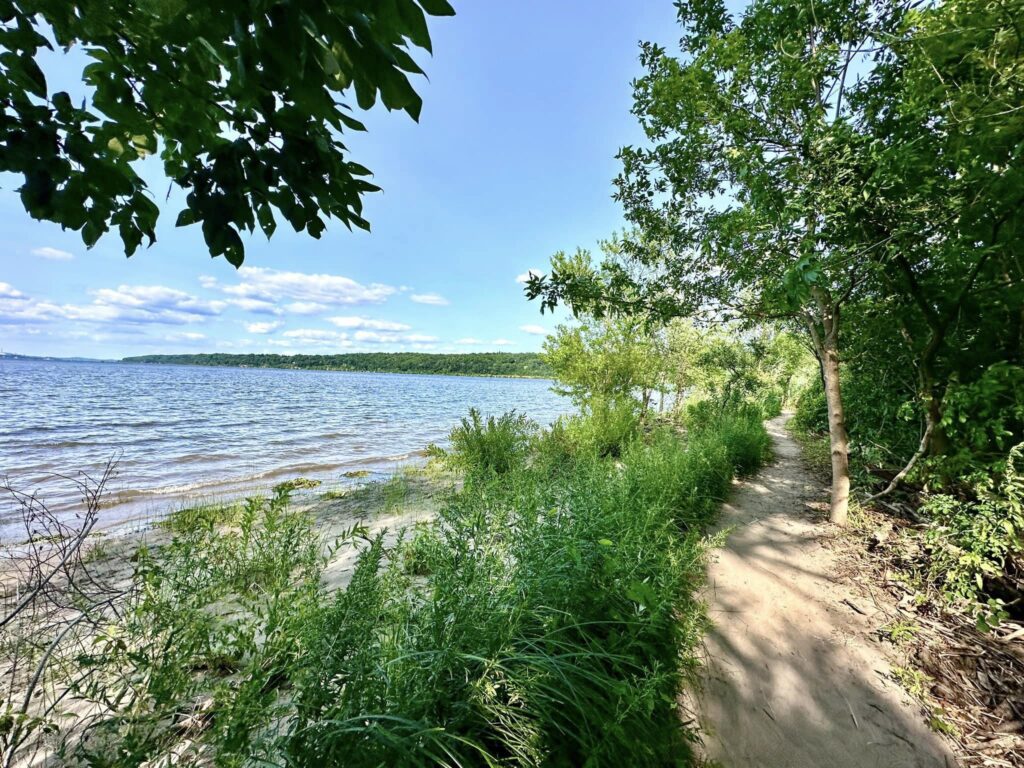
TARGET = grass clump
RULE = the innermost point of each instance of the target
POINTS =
(202, 517)
(214, 625)
(740, 429)
(900, 631)
(491, 446)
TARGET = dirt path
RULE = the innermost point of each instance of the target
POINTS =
(793, 676)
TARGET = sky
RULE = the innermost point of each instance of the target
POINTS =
(526, 105)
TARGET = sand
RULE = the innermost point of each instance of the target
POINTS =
(794, 676)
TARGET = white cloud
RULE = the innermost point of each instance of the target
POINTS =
(187, 336)
(306, 308)
(126, 304)
(256, 306)
(434, 299)
(375, 337)
(469, 341)
(503, 343)
(386, 337)
(157, 298)
(18, 309)
(368, 324)
(536, 330)
(301, 287)
(526, 275)
(315, 334)
(53, 254)
(8, 291)
(262, 327)
(312, 337)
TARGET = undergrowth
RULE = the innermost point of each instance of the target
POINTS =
(546, 618)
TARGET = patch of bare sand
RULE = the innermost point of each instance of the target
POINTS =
(793, 676)
(367, 507)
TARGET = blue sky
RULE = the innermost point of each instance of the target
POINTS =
(512, 160)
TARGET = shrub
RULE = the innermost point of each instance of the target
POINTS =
(689, 479)
(215, 616)
(975, 541)
(418, 551)
(811, 412)
(769, 403)
(605, 428)
(497, 445)
(740, 429)
(981, 421)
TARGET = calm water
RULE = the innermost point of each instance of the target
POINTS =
(183, 433)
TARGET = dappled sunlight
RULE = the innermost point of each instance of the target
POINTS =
(789, 679)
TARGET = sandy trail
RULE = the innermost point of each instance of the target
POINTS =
(793, 677)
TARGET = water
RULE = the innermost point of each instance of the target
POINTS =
(184, 433)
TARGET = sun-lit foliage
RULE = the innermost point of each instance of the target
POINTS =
(244, 102)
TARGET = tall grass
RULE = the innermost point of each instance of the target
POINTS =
(491, 446)
(546, 618)
(554, 625)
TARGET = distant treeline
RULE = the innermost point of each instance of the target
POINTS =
(526, 364)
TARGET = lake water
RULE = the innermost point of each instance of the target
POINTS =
(183, 433)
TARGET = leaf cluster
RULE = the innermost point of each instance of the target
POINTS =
(244, 102)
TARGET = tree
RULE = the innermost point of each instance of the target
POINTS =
(941, 149)
(730, 366)
(607, 362)
(241, 99)
(739, 197)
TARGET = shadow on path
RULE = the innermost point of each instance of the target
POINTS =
(792, 678)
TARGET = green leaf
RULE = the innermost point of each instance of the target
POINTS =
(437, 7)
(35, 76)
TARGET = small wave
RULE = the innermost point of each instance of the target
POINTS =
(199, 458)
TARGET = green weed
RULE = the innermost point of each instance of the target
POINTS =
(546, 617)
(900, 631)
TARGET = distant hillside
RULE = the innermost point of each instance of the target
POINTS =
(13, 356)
(522, 364)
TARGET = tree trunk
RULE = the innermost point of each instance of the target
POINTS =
(838, 441)
(824, 332)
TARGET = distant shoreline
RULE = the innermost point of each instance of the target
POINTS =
(502, 365)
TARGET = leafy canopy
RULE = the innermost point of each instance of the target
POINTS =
(739, 192)
(241, 100)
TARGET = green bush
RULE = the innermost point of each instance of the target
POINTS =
(975, 541)
(496, 445)
(740, 428)
(418, 552)
(981, 421)
(218, 614)
(605, 428)
(690, 479)
(769, 404)
(811, 412)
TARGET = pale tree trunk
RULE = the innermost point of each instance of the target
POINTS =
(838, 440)
(825, 336)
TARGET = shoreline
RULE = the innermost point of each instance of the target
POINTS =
(146, 510)
(322, 370)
